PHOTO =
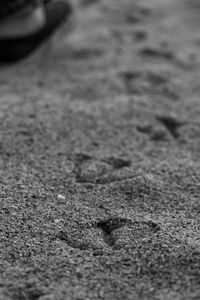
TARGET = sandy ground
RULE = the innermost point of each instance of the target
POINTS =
(100, 159)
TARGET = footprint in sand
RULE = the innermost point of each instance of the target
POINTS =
(162, 53)
(121, 233)
(137, 82)
(169, 126)
(91, 170)
(115, 233)
(171, 123)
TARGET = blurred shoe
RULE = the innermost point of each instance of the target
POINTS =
(15, 49)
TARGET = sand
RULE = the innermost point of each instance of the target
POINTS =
(100, 159)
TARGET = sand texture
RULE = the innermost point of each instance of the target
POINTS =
(100, 158)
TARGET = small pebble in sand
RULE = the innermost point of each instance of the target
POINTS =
(58, 221)
(61, 197)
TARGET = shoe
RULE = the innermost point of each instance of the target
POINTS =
(13, 50)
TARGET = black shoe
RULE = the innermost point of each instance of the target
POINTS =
(14, 49)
